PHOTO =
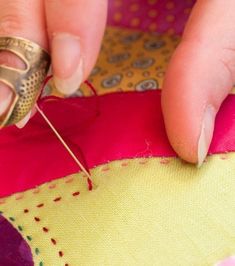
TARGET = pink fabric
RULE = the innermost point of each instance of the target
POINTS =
(150, 15)
(104, 128)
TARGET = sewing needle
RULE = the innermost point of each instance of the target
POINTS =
(63, 142)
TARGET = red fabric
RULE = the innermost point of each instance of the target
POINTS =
(104, 128)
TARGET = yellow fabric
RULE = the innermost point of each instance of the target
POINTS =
(141, 212)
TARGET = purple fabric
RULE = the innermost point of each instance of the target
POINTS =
(14, 250)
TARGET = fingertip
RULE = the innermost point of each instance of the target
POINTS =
(67, 62)
(188, 108)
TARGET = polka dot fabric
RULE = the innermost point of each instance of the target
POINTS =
(163, 16)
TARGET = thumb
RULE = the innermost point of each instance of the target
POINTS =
(23, 19)
(200, 75)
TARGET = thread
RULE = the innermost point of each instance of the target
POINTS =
(89, 84)
(82, 167)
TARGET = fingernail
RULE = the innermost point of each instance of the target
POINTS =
(5, 98)
(24, 121)
(205, 138)
(67, 62)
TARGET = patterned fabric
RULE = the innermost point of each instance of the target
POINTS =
(163, 16)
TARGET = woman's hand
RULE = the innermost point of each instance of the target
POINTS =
(200, 76)
(71, 29)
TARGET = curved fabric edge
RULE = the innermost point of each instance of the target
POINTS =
(101, 129)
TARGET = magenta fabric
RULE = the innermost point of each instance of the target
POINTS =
(150, 15)
(14, 250)
(105, 128)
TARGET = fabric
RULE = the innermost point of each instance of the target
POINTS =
(142, 211)
(165, 16)
(14, 250)
(104, 132)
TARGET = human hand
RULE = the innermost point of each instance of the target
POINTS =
(71, 30)
(199, 77)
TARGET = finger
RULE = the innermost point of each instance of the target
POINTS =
(75, 30)
(199, 77)
(23, 19)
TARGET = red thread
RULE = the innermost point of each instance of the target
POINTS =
(69, 180)
(52, 186)
(224, 156)
(36, 191)
(164, 161)
(46, 80)
(89, 181)
(89, 84)
(76, 194)
(90, 184)
(57, 199)
(40, 205)
(124, 164)
(45, 229)
(19, 197)
(105, 169)
(61, 254)
(53, 241)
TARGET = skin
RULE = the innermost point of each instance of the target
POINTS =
(199, 77)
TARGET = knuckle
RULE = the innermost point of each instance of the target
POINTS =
(10, 24)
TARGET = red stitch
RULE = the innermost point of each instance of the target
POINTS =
(61, 254)
(76, 193)
(40, 205)
(2, 202)
(53, 241)
(19, 197)
(69, 180)
(165, 161)
(224, 156)
(37, 219)
(52, 186)
(36, 191)
(124, 164)
(142, 162)
(57, 199)
(105, 169)
(90, 184)
(45, 229)
(26, 210)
